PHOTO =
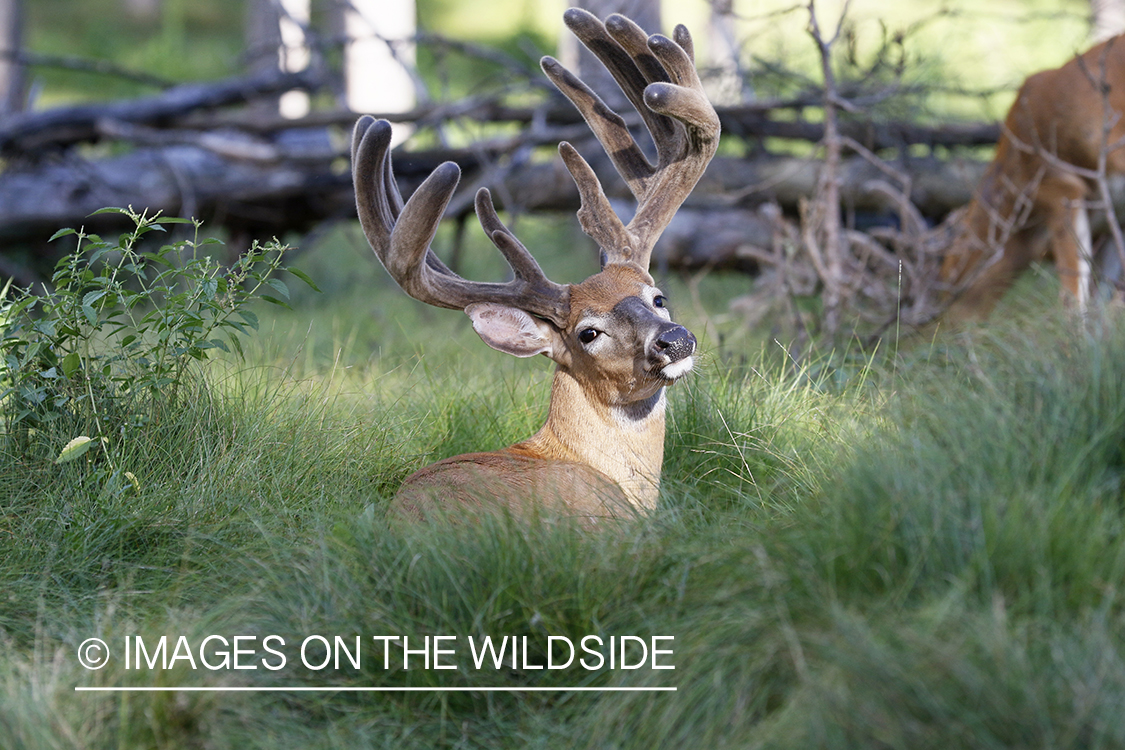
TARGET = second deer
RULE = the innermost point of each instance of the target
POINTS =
(615, 346)
(1031, 203)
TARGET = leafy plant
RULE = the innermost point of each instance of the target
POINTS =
(125, 324)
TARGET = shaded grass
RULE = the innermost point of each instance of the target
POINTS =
(914, 553)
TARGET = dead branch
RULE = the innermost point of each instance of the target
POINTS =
(827, 231)
(85, 65)
(28, 133)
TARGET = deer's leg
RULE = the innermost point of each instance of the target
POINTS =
(1072, 247)
(977, 300)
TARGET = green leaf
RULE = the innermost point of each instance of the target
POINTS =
(303, 277)
(250, 318)
(236, 345)
(61, 233)
(228, 323)
(279, 285)
(91, 314)
(20, 306)
(174, 220)
(70, 364)
(110, 210)
(275, 301)
(76, 448)
(93, 297)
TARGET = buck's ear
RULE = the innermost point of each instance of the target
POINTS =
(511, 330)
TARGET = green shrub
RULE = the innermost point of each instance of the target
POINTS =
(123, 328)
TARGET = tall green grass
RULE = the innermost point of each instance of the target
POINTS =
(917, 550)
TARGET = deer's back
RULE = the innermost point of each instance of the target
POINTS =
(1062, 111)
(518, 483)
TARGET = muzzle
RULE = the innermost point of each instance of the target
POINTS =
(675, 343)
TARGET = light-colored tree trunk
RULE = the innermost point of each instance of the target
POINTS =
(11, 70)
(379, 55)
(1108, 19)
(295, 54)
(379, 58)
(275, 40)
(145, 9)
(729, 85)
(263, 35)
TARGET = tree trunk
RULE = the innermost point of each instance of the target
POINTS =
(729, 85)
(143, 9)
(380, 55)
(379, 59)
(295, 54)
(263, 40)
(11, 71)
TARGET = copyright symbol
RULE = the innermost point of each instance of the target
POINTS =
(93, 653)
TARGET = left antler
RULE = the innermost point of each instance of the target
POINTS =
(401, 234)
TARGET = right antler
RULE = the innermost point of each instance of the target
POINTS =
(401, 235)
(658, 76)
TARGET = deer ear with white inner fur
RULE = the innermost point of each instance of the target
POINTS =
(513, 331)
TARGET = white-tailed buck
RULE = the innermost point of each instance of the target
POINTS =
(1031, 203)
(615, 346)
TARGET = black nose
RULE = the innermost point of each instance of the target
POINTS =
(675, 343)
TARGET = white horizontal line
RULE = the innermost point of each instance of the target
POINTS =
(296, 689)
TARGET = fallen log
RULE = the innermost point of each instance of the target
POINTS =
(257, 188)
(743, 121)
(193, 154)
(259, 199)
(28, 133)
(194, 105)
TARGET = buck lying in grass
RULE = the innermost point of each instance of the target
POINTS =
(611, 336)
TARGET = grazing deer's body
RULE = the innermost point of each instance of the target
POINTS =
(615, 346)
(1030, 202)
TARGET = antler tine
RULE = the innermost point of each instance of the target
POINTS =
(544, 297)
(658, 76)
(519, 257)
(401, 234)
(622, 46)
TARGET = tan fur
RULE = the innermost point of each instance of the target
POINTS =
(1057, 117)
(512, 481)
(604, 428)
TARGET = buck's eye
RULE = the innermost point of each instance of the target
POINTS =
(587, 335)
(659, 301)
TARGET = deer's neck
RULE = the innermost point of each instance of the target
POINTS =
(626, 443)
